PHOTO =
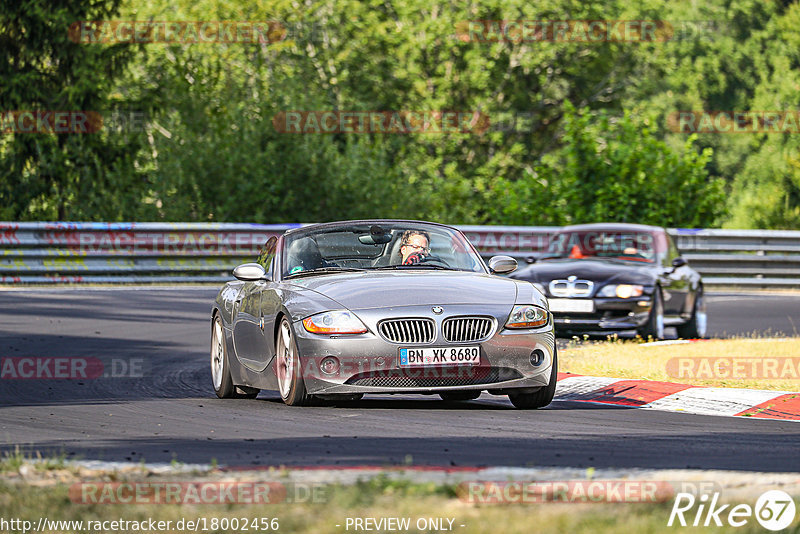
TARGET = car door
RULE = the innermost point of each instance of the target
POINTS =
(256, 307)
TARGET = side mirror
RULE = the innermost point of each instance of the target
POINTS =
(679, 262)
(249, 272)
(502, 264)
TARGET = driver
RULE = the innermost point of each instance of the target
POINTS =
(414, 246)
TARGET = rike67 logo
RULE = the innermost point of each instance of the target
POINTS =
(774, 510)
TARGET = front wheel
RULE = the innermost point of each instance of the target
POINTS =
(697, 326)
(542, 397)
(291, 385)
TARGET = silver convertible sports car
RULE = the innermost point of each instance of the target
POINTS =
(336, 310)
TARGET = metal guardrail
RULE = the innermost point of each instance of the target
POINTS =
(74, 253)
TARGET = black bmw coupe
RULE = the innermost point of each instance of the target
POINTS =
(604, 278)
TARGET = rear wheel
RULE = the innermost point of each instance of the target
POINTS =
(287, 368)
(456, 396)
(220, 367)
(654, 328)
(697, 326)
(542, 397)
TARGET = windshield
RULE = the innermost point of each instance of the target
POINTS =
(619, 245)
(380, 245)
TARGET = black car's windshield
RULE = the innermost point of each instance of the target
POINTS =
(377, 246)
(617, 245)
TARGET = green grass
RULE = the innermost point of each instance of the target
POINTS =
(379, 497)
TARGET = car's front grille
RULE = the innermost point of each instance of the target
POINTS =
(434, 377)
(571, 287)
(456, 329)
(408, 330)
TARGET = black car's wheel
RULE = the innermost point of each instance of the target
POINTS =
(542, 397)
(456, 396)
(287, 368)
(654, 328)
(697, 326)
(220, 368)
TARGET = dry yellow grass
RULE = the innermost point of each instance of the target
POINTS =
(754, 363)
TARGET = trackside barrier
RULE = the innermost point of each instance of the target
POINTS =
(74, 253)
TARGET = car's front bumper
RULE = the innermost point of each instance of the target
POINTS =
(610, 315)
(368, 363)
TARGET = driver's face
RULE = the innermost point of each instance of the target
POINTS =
(416, 243)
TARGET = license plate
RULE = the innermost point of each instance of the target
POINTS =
(571, 305)
(430, 356)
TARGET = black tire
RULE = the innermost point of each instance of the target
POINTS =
(458, 396)
(221, 378)
(542, 397)
(291, 385)
(696, 327)
(654, 328)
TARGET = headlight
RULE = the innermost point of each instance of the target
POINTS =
(334, 322)
(527, 316)
(623, 291)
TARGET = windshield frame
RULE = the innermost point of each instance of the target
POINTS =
(585, 235)
(281, 272)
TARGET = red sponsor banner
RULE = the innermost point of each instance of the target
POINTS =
(198, 492)
(733, 122)
(181, 32)
(566, 491)
(380, 122)
(45, 367)
(734, 367)
(50, 122)
(582, 31)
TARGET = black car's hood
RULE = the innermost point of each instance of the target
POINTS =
(600, 272)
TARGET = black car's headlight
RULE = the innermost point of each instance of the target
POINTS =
(334, 322)
(623, 291)
(527, 316)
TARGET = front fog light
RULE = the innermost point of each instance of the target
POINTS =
(537, 357)
(329, 365)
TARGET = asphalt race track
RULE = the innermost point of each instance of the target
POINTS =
(171, 413)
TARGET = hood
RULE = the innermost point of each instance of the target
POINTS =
(598, 271)
(390, 289)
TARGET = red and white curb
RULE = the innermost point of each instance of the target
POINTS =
(672, 397)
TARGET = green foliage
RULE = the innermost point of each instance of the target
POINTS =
(51, 176)
(210, 151)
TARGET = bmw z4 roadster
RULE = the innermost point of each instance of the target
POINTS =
(336, 310)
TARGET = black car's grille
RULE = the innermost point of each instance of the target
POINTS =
(408, 330)
(458, 329)
(433, 377)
